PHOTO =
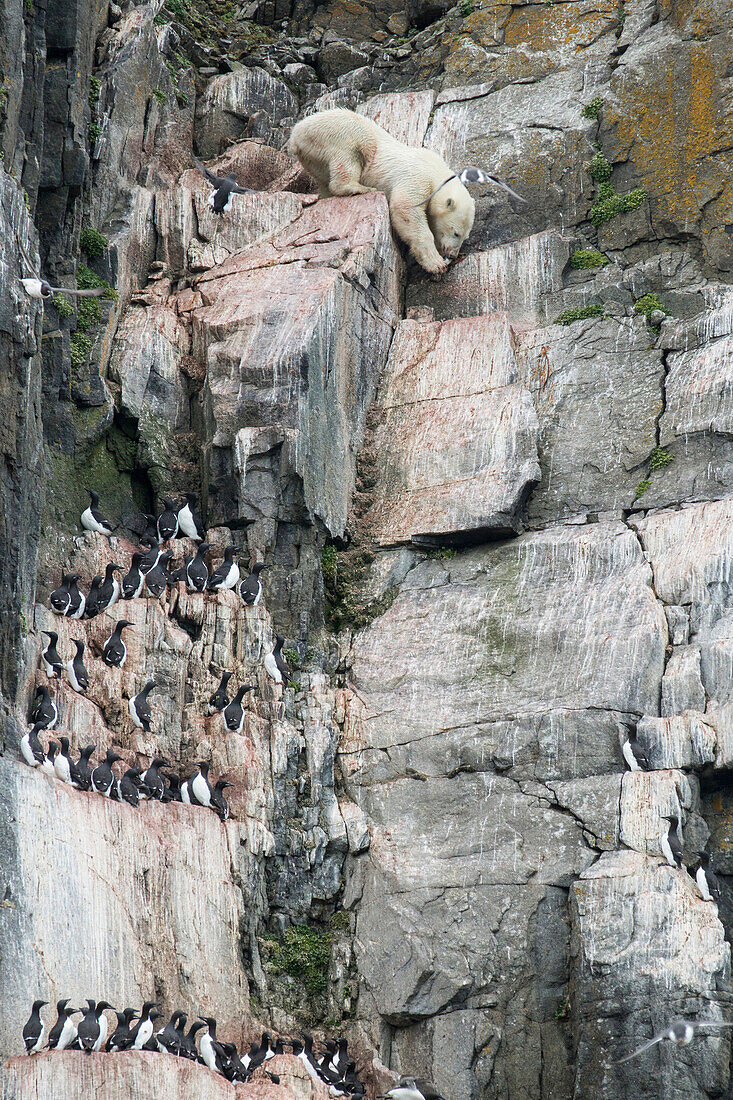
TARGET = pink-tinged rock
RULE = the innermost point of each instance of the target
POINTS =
(139, 1075)
(647, 798)
(690, 550)
(404, 115)
(455, 444)
(231, 100)
(294, 333)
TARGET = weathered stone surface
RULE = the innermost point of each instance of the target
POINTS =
(682, 741)
(247, 102)
(681, 684)
(456, 435)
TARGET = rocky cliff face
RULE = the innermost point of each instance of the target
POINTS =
(496, 541)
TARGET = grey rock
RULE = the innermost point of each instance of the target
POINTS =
(234, 100)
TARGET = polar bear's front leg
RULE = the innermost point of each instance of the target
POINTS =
(343, 177)
(411, 224)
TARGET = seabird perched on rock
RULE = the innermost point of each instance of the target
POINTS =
(31, 748)
(157, 579)
(129, 787)
(306, 1055)
(76, 670)
(121, 1037)
(168, 1037)
(152, 780)
(671, 843)
(62, 761)
(208, 1044)
(681, 1033)
(103, 777)
(151, 526)
(92, 604)
(172, 792)
(150, 555)
(219, 803)
(46, 764)
(199, 785)
(109, 589)
(220, 699)
(63, 1032)
(413, 1088)
(197, 573)
(189, 521)
(140, 708)
(52, 663)
(143, 1030)
(92, 518)
(220, 199)
(233, 713)
(167, 523)
(706, 879)
(251, 587)
(226, 574)
(237, 1069)
(34, 1032)
(115, 650)
(77, 605)
(60, 598)
(45, 713)
(635, 754)
(133, 581)
(89, 1031)
(81, 772)
(189, 1049)
(275, 665)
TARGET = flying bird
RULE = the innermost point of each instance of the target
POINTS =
(35, 287)
(220, 198)
(680, 1032)
(477, 175)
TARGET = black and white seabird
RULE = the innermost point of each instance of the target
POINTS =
(251, 587)
(167, 524)
(92, 605)
(150, 554)
(151, 526)
(103, 777)
(88, 1030)
(226, 574)
(129, 786)
(152, 780)
(62, 762)
(45, 713)
(143, 1030)
(31, 748)
(92, 518)
(306, 1055)
(681, 1033)
(115, 650)
(233, 713)
(60, 598)
(36, 287)
(477, 175)
(208, 1041)
(109, 589)
(157, 579)
(34, 1032)
(76, 670)
(189, 521)
(77, 606)
(413, 1088)
(220, 199)
(218, 802)
(133, 581)
(197, 573)
(46, 764)
(167, 1038)
(52, 663)
(237, 1069)
(275, 665)
(671, 843)
(172, 792)
(81, 772)
(220, 699)
(121, 1037)
(140, 708)
(199, 786)
(189, 1049)
(63, 1032)
(635, 754)
(340, 1060)
(706, 879)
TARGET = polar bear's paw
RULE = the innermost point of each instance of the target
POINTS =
(436, 265)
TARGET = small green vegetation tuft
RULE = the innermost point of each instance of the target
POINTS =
(63, 306)
(90, 314)
(159, 95)
(582, 313)
(563, 1009)
(340, 921)
(641, 488)
(87, 280)
(659, 458)
(94, 132)
(610, 204)
(81, 345)
(584, 258)
(94, 86)
(292, 657)
(93, 243)
(648, 304)
(466, 8)
(599, 168)
(442, 552)
(304, 954)
(593, 109)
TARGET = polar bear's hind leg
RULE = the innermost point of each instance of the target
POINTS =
(343, 176)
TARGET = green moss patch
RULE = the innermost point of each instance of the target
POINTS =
(659, 459)
(648, 304)
(63, 306)
(599, 168)
(344, 575)
(80, 346)
(93, 243)
(304, 954)
(582, 313)
(610, 204)
(584, 258)
(592, 109)
(641, 488)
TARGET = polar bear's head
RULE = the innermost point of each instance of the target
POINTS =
(450, 214)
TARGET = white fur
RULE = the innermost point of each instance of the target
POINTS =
(61, 767)
(348, 154)
(102, 1031)
(33, 287)
(68, 1034)
(72, 677)
(80, 609)
(38, 1045)
(144, 1032)
(186, 523)
(666, 850)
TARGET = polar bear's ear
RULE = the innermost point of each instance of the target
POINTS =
(449, 204)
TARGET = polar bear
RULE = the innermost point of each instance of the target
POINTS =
(348, 154)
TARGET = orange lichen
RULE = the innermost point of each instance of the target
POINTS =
(556, 25)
